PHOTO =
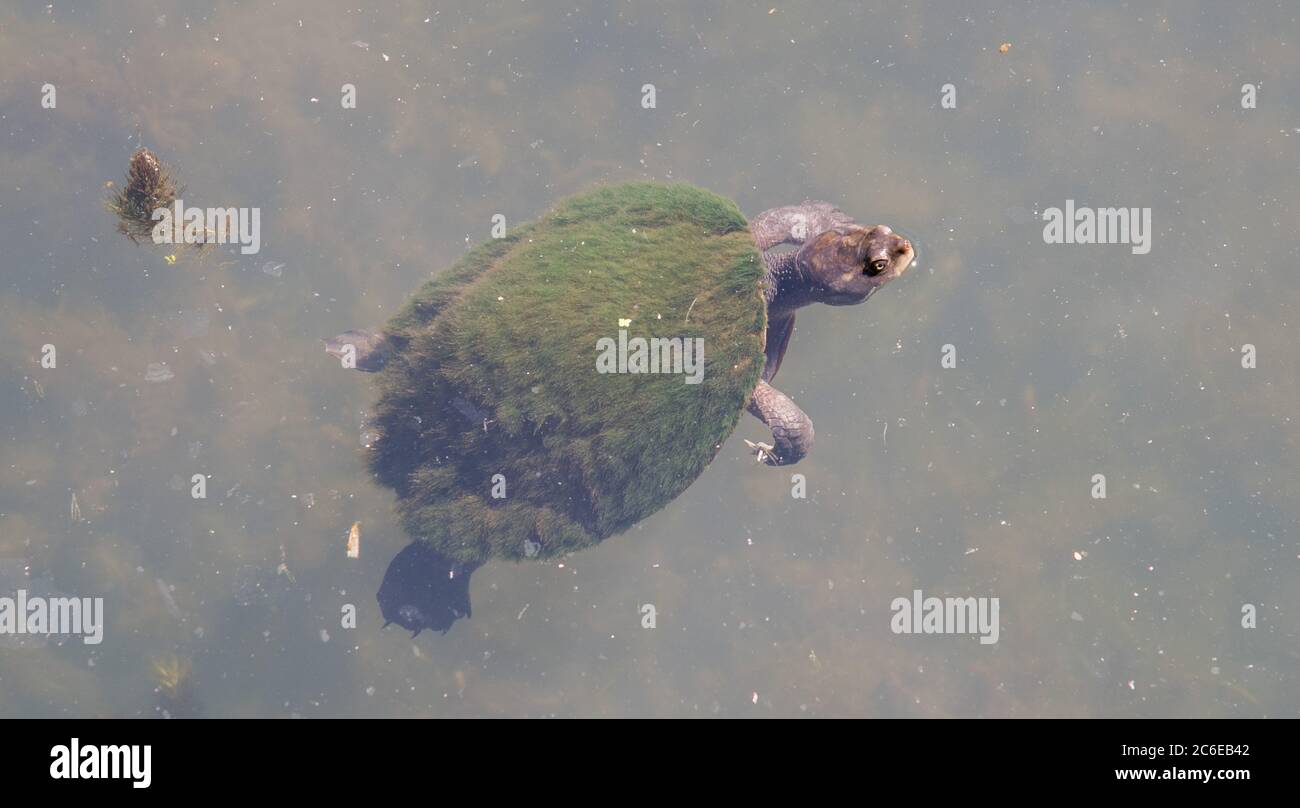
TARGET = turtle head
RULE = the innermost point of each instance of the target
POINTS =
(846, 264)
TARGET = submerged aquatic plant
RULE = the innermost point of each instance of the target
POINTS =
(175, 687)
(149, 186)
(170, 672)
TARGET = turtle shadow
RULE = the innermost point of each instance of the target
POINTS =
(424, 589)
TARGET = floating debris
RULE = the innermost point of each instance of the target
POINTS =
(168, 600)
(273, 269)
(1005, 47)
(283, 569)
(158, 372)
(354, 541)
(74, 510)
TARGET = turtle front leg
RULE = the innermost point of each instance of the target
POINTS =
(792, 429)
(361, 350)
(795, 224)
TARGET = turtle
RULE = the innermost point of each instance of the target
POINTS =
(566, 380)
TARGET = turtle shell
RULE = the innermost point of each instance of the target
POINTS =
(498, 430)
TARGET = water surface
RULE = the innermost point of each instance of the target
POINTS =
(976, 480)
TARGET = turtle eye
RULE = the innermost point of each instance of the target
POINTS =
(876, 267)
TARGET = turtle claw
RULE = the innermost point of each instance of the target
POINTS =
(763, 453)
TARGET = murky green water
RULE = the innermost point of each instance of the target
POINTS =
(970, 481)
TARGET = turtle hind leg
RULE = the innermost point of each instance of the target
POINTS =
(792, 429)
(424, 589)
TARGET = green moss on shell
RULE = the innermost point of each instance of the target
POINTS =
(509, 334)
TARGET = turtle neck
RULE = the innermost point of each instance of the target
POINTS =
(785, 288)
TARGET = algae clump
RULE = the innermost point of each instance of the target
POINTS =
(497, 431)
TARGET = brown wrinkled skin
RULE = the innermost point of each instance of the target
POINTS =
(840, 264)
